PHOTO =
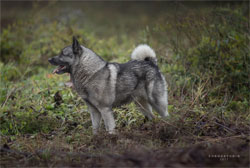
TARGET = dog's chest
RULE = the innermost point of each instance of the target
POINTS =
(79, 87)
(81, 91)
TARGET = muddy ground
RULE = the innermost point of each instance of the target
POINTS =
(151, 145)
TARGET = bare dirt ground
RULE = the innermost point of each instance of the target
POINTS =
(151, 145)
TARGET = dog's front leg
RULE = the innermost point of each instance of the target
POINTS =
(95, 118)
(107, 115)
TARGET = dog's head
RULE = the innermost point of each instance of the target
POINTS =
(66, 58)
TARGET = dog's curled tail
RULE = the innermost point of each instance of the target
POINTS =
(144, 52)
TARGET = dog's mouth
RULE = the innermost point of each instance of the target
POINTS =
(60, 69)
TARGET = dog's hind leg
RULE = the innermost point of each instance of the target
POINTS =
(96, 118)
(160, 106)
(158, 97)
(145, 108)
(108, 118)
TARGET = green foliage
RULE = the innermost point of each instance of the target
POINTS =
(27, 43)
(29, 106)
(224, 61)
(207, 73)
(224, 55)
(11, 47)
(128, 116)
(9, 72)
(213, 49)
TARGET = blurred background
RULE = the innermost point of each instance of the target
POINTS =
(203, 51)
(41, 23)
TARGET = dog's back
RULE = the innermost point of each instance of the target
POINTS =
(132, 77)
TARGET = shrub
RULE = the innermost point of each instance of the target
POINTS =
(214, 47)
(31, 42)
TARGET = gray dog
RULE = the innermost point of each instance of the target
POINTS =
(104, 85)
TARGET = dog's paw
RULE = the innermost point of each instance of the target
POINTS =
(112, 132)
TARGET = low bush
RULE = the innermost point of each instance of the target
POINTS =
(211, 48)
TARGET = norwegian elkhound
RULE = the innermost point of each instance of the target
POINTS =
(104, 85)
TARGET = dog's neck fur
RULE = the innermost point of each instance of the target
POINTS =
(86, 67)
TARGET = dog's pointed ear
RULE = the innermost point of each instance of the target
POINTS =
(77, 50)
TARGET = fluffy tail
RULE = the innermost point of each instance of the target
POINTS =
(144, 52)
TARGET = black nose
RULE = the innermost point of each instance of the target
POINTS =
(51, 60)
